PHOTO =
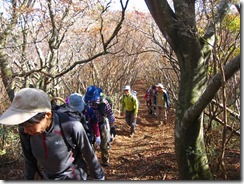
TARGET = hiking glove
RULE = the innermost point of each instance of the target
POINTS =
(97, 141)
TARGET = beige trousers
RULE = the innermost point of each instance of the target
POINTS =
(161, 114)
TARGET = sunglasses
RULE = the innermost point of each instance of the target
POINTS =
(35, 119)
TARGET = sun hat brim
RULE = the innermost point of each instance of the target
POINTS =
(13, 117)
(26, 103)
(160, 85)
(92, 98)
(80, 107)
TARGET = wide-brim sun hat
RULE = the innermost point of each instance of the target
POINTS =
(126, 87)
(160, 85)
(27, 103)
(77, 101)
(92, 93)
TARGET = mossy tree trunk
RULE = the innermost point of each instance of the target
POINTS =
(179, 28)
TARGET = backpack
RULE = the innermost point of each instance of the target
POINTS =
(102, 104)
(67, 113)
(110, 101)
(134, 94)
(101, 108)
(166, 98)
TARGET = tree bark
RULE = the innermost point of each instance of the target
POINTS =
(193, 53)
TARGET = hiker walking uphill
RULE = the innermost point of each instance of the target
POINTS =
(43, 141)
(162, 103)
(76, 100)
(150, 99)
(130, 105)
(105, 118)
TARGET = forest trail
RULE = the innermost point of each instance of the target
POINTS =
(149, 154)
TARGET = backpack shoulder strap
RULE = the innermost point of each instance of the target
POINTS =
(66, 129)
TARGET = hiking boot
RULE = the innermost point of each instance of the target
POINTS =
(132, 130)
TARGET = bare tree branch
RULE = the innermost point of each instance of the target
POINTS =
(192, 113)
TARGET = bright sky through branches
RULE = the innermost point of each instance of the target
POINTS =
(138, 5)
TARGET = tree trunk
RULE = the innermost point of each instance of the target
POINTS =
(179, 27)
(189, 140)
(190, 151)
(7, 75)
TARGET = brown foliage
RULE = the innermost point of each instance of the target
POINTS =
(148, 155)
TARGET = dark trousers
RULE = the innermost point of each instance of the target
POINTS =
(130, 120)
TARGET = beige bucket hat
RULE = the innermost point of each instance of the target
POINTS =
(27, 103)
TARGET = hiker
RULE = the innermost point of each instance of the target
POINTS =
(77, 101)
(162, 103)
(42, 141)
(105, 117)
(130, 106)
(150, 99)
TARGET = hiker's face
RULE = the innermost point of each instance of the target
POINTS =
(37, 124)
(126, 92)
(159, 89)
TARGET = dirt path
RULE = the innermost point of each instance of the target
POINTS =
(149, 154)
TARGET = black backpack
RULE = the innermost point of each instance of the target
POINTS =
(67, 113)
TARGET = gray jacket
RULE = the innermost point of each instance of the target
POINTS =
(57, 160)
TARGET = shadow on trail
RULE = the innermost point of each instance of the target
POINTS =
(148, 121)
(145, 167)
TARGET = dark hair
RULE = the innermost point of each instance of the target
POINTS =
(37, 118)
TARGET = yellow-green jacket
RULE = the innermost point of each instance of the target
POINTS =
(129, 103)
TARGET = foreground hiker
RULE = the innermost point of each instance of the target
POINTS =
(130, 107)
(42, 141)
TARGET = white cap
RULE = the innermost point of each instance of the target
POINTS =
(160, 85)
(127, 87)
